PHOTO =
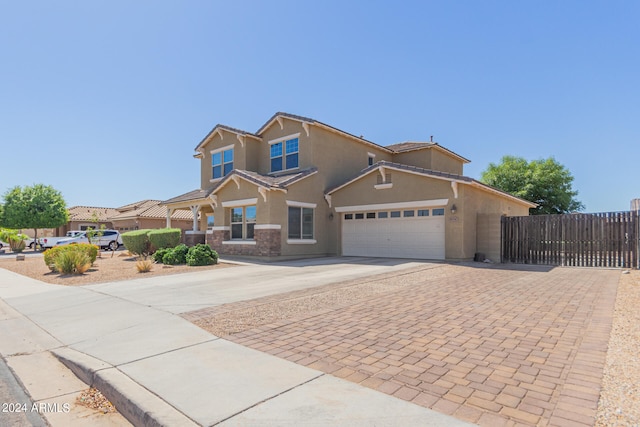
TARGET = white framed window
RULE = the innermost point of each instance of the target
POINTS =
(371, 159)
(437, 212)
(300, 223)
(284, 154)
(221, 162)
(243, 222)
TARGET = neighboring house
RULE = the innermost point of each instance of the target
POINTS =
(298, 187)
(134, 216)
(83, 217)
(149, 214)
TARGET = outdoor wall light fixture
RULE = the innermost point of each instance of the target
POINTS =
(453, 209)
(331, 216)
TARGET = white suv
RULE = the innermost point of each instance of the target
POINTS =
(110, 239)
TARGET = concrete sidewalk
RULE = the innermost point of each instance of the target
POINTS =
(159, 369)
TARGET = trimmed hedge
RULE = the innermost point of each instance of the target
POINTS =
(165, 237)
(137, 242)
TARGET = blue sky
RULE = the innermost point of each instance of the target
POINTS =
(106, 100)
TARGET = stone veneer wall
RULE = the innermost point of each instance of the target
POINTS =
(267, 243)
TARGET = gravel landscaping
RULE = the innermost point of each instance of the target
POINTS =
(107, 268)
(619, 403)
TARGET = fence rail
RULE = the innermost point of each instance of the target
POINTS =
(609, 239)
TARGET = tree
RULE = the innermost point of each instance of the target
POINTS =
(544, 182)
(38, 206)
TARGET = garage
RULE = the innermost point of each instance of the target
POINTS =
(400, 233)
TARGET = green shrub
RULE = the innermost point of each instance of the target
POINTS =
(15, 239)
(165, 237)
(170, 258)
(137, 242)
(50, 256)
(201, 254)
(159, 254)
(72, 261)
(69, 263)
(181, 253)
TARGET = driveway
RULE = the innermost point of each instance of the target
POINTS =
(187, 292)
(492, 345)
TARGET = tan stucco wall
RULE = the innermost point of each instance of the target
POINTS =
(460, 227)
(406, 188)
(489, 206)
(338, 158)
(275, 212)
(432, 159)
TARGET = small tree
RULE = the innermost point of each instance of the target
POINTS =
(544, 182)
(38, 206)
(95, 232)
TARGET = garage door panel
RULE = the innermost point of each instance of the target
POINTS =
(418, 237)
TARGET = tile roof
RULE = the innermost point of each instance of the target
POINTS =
(227, 128)
(403, 147)
(86, 213)
(149, 209)
(432, 173)
(137, 205)
(191, 195)
(278, 182)
(408, 146)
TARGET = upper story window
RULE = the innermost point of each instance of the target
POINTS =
(221, 162)
(371, 159)
(284, 154)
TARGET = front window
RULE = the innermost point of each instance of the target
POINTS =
(300, 223)
(243, 221)
(222, 163)
(210, 221)
(284, 155)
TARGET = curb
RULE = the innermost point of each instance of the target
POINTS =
(134, 402)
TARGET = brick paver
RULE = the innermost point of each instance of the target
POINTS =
(492, 345)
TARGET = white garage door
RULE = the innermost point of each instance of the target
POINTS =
(410, 233)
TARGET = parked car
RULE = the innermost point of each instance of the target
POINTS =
(49, 242)
(110, 239)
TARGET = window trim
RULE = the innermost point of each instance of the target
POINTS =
(399, 205)
(301, 206)
(222, 151)
(283, 140)
(244, 223)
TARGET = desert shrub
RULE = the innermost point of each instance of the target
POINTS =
(15, 239)
(144, 266)
(53, 255)
(72, 262)
(159, 254)
(50, 256)
(90, 249)
(165, 238)
(137, 242)
(201, 254)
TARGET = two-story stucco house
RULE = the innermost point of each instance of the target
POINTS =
(298, 187)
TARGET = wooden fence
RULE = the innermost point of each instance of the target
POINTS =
(609, 239)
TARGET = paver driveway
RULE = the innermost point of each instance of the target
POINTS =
(493, 345)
